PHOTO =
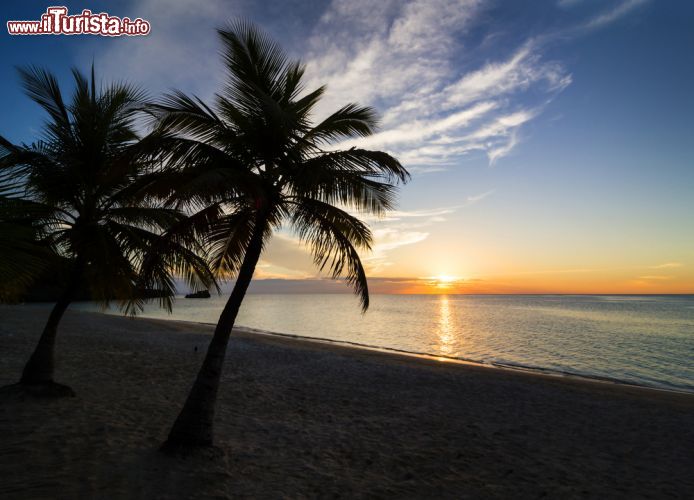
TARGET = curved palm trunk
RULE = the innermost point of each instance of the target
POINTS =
(40, 367)
(194, 425)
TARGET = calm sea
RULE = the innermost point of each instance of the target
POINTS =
(647, 340)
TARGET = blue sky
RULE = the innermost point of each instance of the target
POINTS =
(550, 141)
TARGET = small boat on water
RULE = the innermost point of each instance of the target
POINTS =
(202, 294)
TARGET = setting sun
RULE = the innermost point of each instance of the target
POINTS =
(444, 281)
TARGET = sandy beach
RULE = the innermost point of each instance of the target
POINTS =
(299, 419)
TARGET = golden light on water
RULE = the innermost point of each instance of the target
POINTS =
(446, 326)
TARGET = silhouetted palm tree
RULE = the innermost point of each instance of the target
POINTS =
(254, 163)
(81, 191)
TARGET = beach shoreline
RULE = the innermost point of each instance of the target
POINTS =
(634, 344)
(299, 417)
(449, 360)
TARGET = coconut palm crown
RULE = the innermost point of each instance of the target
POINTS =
(253, 163)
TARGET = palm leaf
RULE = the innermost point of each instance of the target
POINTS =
(333, 237)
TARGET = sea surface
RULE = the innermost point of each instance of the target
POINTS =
(645, 340)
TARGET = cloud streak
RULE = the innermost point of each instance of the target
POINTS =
(613, 15)
(667, 265)
(434, 111)
(471, 200)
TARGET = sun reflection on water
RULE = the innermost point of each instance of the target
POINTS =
(446, 326)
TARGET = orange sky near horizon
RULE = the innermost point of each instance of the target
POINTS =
(484, 267)
(512, 285)
(586, 283)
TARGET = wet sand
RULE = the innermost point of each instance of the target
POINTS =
(301, 419)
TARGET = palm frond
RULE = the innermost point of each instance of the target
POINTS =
(42, 87)
(186, 115)
(255, 63)
(349, 121)
(333, 237)
(228, 240)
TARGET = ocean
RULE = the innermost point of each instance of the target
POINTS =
(644, 340)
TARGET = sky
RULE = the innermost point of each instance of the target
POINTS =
(551, 142)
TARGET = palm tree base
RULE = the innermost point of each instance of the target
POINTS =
(39, 390)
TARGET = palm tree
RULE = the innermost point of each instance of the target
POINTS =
(82, 192)
(256, 162)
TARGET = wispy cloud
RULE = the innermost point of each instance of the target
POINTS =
(667, 265)
(613, 15)
(388, 239)
(377, 52)
(416, 131)
(523, 69)
(396, 215)
(405, 59)
(471, 200)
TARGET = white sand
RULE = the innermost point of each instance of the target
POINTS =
(301, 419)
